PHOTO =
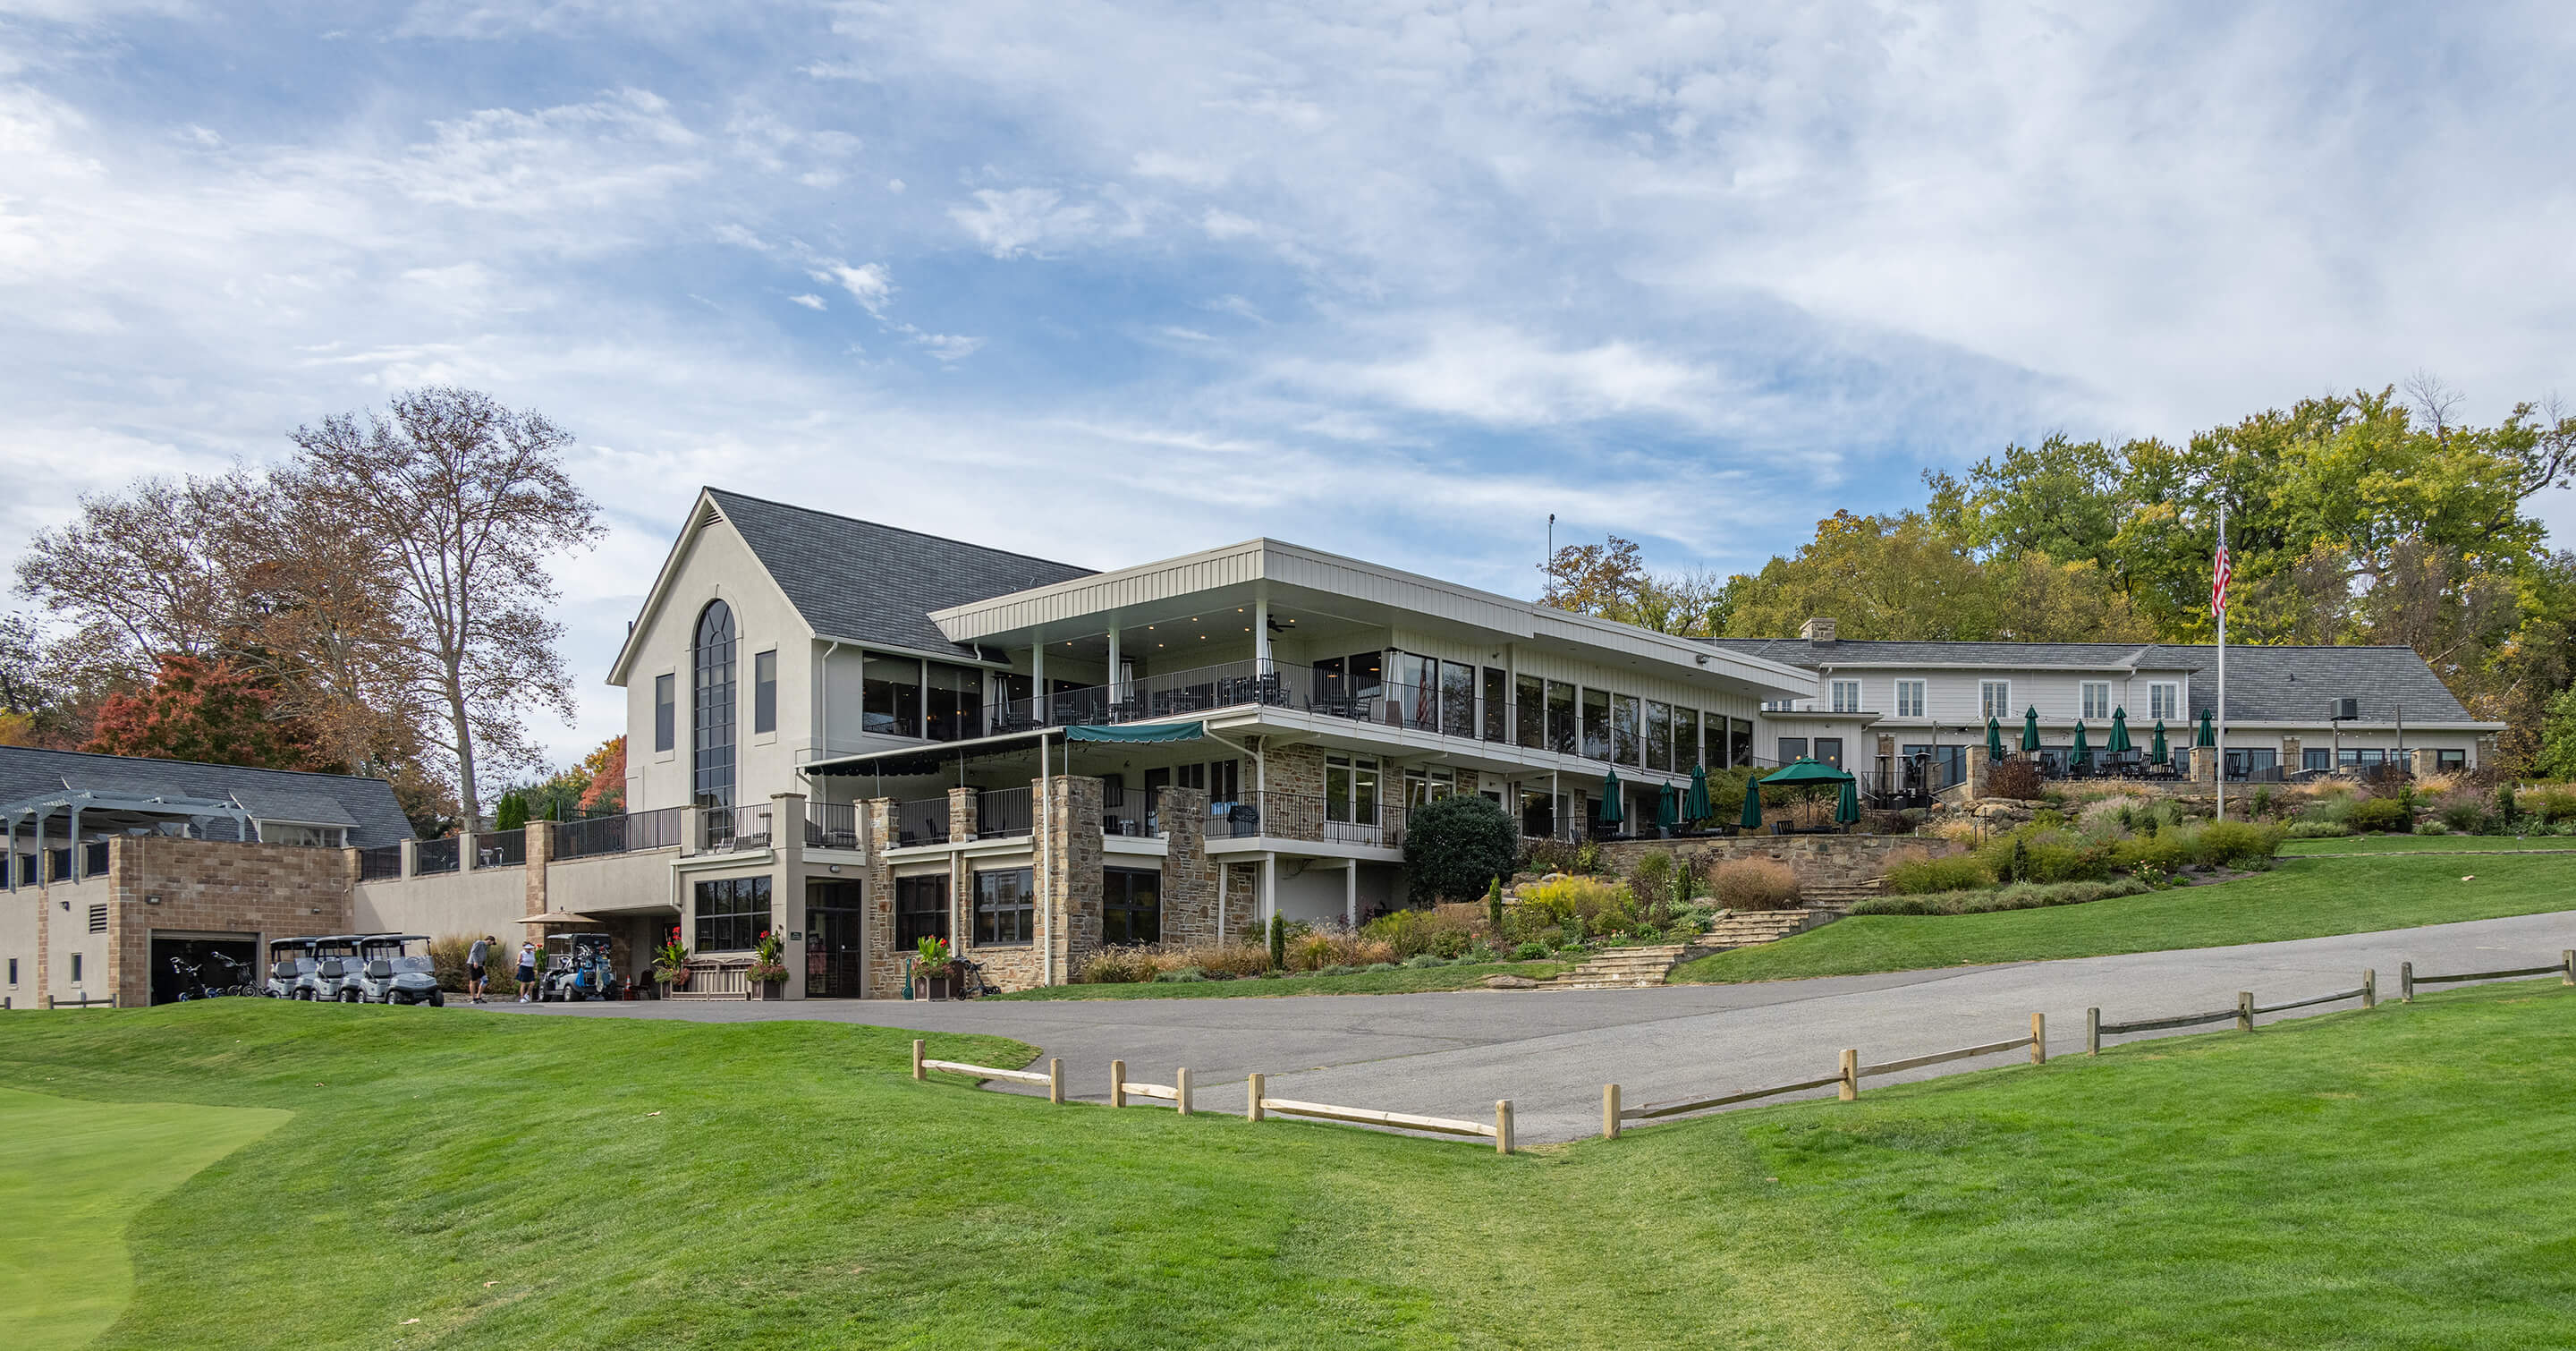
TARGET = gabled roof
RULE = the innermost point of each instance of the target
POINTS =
(2292, 686)
(365, 805)
(858, 580)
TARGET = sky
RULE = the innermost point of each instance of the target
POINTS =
(1107, 283)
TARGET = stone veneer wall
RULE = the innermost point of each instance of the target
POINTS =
(1817, 860)
(1242, 902)
(1299, 771)
(1189, 878)
(876, 880)
(1073, 859)
(274, 890)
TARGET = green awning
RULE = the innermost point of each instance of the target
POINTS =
(1168, 731)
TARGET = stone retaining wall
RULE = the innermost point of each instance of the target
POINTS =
(1816, 860)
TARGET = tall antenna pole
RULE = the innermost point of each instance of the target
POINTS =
(2221, 594)
(1549, 567)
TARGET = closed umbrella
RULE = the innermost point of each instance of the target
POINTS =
(1847, 810)
(2157, 753)
(1752, 817)
(2208, 730)
(1994, 739)
(2119, 741)
(2030, 729)
(1611, 812)
(1667, 811)
(2082, 754)
(1695, 803)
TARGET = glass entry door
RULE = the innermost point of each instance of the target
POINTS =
(835, 946)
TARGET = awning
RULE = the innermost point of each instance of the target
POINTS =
(1145, 732)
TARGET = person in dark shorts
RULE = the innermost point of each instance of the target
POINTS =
(527, 972)
(475, 957)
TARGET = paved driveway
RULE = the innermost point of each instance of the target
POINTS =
(1550, 1052)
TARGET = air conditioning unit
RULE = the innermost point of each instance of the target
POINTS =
(2345, 710)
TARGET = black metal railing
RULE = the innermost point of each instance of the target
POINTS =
(833, 825)
(1001, 813)
(727, 829)
(1297, 816)
(434, 856)
(382, 862)
(923, 820)
(501, 849)
(631, 833)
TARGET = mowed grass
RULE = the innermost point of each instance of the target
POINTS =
(2430, 844)
(72, 1174)
(2301, 898)
(2389, 1179)
(1403, 981)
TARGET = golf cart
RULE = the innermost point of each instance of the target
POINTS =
(577, 967)
(396, 969)
(335, 975)
(290, 964)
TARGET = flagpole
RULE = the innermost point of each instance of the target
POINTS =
(2220, 777)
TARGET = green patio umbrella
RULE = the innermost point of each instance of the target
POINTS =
(2082, 753)
(1806, 772)
(2208, 730)
(1667, 813)
(1752, 817)
(1612, 813)
(2119, 732)
(1695, 803)
(2157, 754)
(2030, 729)
(1994, 739)
(1847, 810)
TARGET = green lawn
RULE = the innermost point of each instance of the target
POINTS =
(2390, 1179)
(72, 1175)
(1405, 981)
(2299, 899)
(2428, 844)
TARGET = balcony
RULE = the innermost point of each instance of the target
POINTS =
(834, 825)
(1293, 816)
(628, 834)
(733, 829)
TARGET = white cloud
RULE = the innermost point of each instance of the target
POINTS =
(811, 302)
(1023, 220)
(868, 284)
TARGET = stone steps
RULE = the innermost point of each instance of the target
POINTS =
(1623, 968)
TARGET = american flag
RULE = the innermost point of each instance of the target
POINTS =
(2218, 575)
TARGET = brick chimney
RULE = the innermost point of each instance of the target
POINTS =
(1819, 631)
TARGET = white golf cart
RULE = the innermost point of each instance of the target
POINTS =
(396, 969)
(335, 975)
(290, 964)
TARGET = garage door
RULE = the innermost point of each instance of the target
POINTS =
(205, 955)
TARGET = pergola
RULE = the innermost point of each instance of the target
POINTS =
(102, 813)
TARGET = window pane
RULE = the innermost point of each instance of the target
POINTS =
(890, 696)
(956, 702)
(920, 910)
(1131, 910)
(764, 692)
(1739, 742)
(1560, 717)
(1792, 748)
(1686, 753)
(1596, 724)
(1830, 750)
(1624, 741)
(711, 729)
(1497, 703)
(1003, 906)
(1659, 735)
(1529, 712)
(666, 712)
(1457, 699)
(1337, 789)
(731, 913)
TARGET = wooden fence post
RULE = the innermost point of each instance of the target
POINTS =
(916, 1059)
(1502, 1125)
(2092, 1031)
(1850, 1087)
(2245, 1010)
(1055, 1079)
(2039, 1038)
(2406, 982)
(1609, 1111)
(1181, 1085)
(2369, 988)
(1117, 1083)
(1252, 1098)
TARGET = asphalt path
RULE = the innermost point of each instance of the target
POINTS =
(1550, 1052)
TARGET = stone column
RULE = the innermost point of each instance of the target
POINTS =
(465, 851)
(1189, 882)
(410, 868)
(961, 815)
(1073, 853)
(787, 884)
(693, 831)
(541, 853)
(2204, 766)
(884, 961)
(2291, 761)
(1978, 763)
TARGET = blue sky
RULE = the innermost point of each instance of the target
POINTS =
(1110, 282)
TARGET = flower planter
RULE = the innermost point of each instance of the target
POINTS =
(679, 980)
(769, 989)
(934, 987)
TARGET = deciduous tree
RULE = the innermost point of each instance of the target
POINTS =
(206, 709)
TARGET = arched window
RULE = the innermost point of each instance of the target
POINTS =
(711, 730)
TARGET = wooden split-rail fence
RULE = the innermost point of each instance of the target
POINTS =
(1616, 1114)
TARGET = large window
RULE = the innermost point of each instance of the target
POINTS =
(1417, 690)
(1739, 742)
(1625, 743)
(666, 712)
(956, 696)
(732, 913)
(920, 910)
(1659, 735)
(1497, 703)
(1560, 717)
(764, 691)
(1909, 698)
(1686, 754)
(1004, 907)
(1830, 750)
(2097, 700)
(1792, 748)
(1529, 711)
(1846, 696)
(1131, 907)
(2164, 700)
(890, 696)
(2317, 757)
(2448, 760)
(1350, 790)
(1457, 698)
(711, 727)
(1596, 724)
(1994, 699)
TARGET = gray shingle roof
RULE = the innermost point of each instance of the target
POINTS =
(2292, 685)
(858, 579)
(275, 794)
